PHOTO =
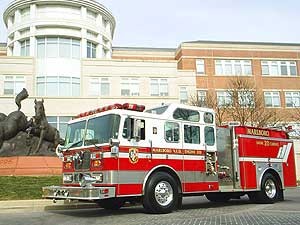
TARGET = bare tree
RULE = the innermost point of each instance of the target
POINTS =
(248, 106)
(210, 101)
(245, 104)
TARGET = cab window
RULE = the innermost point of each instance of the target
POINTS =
(171, 132)
(191, 134)
(209, 133)
(134, 127)
(208, 117)
(187, 115)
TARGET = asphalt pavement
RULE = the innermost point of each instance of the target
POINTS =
(195, 210)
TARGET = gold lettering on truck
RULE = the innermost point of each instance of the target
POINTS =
(258, 132)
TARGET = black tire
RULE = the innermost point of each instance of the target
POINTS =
(270, 191)
(218, 197)
(111, 203)
(161, 193)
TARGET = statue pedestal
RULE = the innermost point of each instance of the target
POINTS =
(30, 166)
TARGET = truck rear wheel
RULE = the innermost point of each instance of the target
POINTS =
(161, 193)
(270, 190)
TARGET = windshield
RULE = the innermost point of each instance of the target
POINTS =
(100, 129)
(75, 134)
(97, 131)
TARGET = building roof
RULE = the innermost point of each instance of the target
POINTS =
(144, 53)
(240, 43)
(144, 49)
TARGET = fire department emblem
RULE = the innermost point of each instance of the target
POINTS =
(133, 155)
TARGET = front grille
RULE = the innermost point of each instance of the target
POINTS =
(82, 161)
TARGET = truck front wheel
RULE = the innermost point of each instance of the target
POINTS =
(161, 193)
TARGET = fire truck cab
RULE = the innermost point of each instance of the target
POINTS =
(122, 153)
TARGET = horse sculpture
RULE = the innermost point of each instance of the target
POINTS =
(41, 127)
(15, 122)
(11, 125)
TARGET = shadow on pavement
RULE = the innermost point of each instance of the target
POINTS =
(138, 209)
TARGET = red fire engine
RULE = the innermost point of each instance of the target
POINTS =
(121, 153)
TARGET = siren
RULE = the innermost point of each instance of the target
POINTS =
(134, 107)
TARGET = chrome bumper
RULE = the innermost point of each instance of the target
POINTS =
(78, 193)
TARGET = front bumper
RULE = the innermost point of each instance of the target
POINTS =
(78, 193)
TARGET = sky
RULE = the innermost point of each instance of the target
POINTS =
(167, 23)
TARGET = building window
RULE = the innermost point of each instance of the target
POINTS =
(159, 87)
(183, 95)
(91, 50)
(272, 99)
(201, 97)
(25, 47)
(91, 15)
(13, 84)
(56, 47)
(233, 67)
(130, 87)
(58, 86)
(246, 98)
(279, 68)
(60, 123)
(200, 69)
(99, 86)
(25, 13)
(292, 99)
(224, 98)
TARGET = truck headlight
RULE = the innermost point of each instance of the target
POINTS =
(98, 177)
(67, 178)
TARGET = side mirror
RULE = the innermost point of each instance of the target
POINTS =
(133, 128)
(137, 126)
(59, 150)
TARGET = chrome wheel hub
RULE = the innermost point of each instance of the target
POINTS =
(270, 188)
(163, 193)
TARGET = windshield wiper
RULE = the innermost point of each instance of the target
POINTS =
(93, 142)
(72, 145)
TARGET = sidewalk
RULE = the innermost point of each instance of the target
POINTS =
(43, 204)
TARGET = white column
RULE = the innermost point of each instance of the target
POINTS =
(32, 11)
(83, 12)
(32, 41)
(17, 45)
(99, 20)
(107, 28)
(17, 16)
(83, 43)
(10, 51)
(109, 53)
(17, 48)
(9, 22)
(99, 49)
(32, 46)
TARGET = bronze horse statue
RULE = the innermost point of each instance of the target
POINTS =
(15, 122)
(41, 127)
(11, 125)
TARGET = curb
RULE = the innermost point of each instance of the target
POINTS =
(44, 204)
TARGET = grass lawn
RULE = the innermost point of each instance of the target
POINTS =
(21, 188)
